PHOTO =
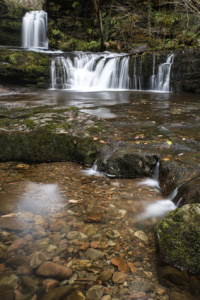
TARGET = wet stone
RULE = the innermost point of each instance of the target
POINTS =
(94, 254)
(95, 292)
(53, 270)
(121, 264)
(38, 258)
(77, 295)
(14, 224)
(113, 234)
(119, 277)
(72, 235)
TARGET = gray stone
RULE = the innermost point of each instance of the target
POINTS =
(95, 292)
(94, 254)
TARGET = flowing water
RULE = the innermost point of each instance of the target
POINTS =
(106, 71)
(34, 30)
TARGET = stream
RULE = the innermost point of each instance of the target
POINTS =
(100, 228)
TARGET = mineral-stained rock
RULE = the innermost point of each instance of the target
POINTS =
(178, 238)
(53, 270)
(121, 264)
(12, 281)
(81, 264)
(105, 275)
(95, 292)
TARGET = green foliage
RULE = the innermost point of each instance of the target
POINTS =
(74, 4)
(56, 31)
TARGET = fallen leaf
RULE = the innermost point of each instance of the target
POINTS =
(95, 138)
(102, 142)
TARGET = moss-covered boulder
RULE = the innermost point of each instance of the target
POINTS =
(24, 67)
(178, 238)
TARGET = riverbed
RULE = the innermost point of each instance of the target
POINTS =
(73, 215)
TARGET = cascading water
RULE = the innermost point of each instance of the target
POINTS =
(90, 71)
(161, 81)
(34, 29)
(94, 71)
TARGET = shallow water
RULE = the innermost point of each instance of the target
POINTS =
(64, 191)
(42, 194)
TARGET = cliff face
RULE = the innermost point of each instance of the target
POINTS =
(10, 24)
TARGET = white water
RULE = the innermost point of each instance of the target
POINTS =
(34, 29)
(161, 207)
(152, 182)
(90, 71)
(161, 81)
(103, 71)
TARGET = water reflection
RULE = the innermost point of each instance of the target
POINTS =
(38, 196)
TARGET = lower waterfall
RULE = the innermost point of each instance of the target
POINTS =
(102, 71)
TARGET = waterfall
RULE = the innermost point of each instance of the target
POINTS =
(90, 71)
(102, 71)
(34, 29)
(161, 81)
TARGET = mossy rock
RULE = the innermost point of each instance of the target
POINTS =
(178, 238)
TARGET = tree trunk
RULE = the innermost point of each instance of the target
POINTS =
(98, 11)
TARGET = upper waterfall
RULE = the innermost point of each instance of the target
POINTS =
(34, 29)
(102, 71)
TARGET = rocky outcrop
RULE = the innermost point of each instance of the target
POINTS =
(24, 68)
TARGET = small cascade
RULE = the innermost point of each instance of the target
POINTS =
(161, 81)
(87, 71)
(153, 182)
(34, 29)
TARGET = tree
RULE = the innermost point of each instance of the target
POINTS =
(98, 12)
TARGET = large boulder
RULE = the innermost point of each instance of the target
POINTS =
(178, 238)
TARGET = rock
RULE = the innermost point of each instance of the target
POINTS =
(14, 224)
(53, 270)
(81, 264)
(72, 235)
(84, 246)
(105, 275)
(113, 234)
(121, 264)
(106, 297)
(138, 295)
(17, 244)
(40, 244)
(57, 225)
(38, 258)
(119, 277)
(50, 284)
(16, 261)
(24, 270)
(12, 281)
(94, 217)
(189, 192)
(95, 292)
(77, 295)
(27, 217)
(132, 267)
(56, 238)
(94, 254)
(130, 163)
(7, 292)
(59, 293)
(141, 235)
(27, 284)
(178, 238)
